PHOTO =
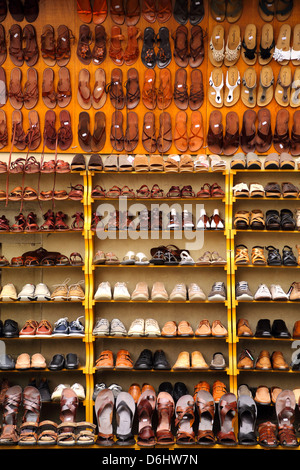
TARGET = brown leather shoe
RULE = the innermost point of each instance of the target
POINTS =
(218, 329)
(183, 361)
(203, 329)
(135, 391)
(185, 329)
(264, 361)
(243, 328)
(245, 360)
(296, 329)
(262, 395)
(278, 361)
(198, 361)
(123, 360)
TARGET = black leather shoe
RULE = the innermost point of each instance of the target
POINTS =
(263, 328)
(166, 387)
(57, 362)
(31, 10)
(148, 54)
(145, 360)
(181, 12)
(7, 362)
(71, 361)
(279, 329)
(10, 329)
(164, 54)
(160, 360)
(196, 11)
(179, 390)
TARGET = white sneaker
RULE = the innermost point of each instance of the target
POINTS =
(195, 292)
(151, 327)
(137, 327)
(42, 292)
(56, 395)
(101, 327)
(9, 293)
(179, 292)
(277, 292)
(27, 293)
(141, 292)
(117, 328)
(79, 390)
(103, 292)
(262, 293)
(121, 291)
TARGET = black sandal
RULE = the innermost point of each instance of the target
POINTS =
(288, 257)
(274, 257)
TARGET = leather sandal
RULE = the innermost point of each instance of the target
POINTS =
(83, 51)
(206, 410)
(227, 416)
(116, 52)
(47, 433)
(149, 133)
(31, 50)
(15, 93)
(116, 131)
(48, 90)
(131, 52)
(165, 406)
(185, 416)
(99, 51)
(48, 49)
(15, 45)
(164, 139)
(241, 254)
(63, 45)
(145, 409)
(104, 405)
(131, 137)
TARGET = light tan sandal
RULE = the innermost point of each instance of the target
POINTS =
(249, 53)
(216, 88)
(266, 43)
(233, 46)
(266, 86)
(249, 88)
(257, 256)
(295, 51)
(241, 255)
(233, 89)
(283, 86)
(217, 45)
(282, 53)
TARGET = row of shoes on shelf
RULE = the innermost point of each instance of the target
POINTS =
(40, 292)
(271, 189)
(274, 257)
(142, 292)
(264, 293)
(273, 219)
(158, 361)
(267, 329)
(53, 221)
(160, 256)
(28, 193)
(63, 327)
(149, 327)
(266, 361)
(37, 361)
(272, 161)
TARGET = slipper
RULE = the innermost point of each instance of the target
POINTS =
(99, 92)
(249, 53)
(266, 10)
(131, 137)
(216, 85)
(232, 91)
(281, 138)
(265, 88)
(249, 86)
(180, 132)
(264, 132)
(84, 97)
(267, 44)
(231, 141)
(99, 134)
(248, 132)
(104, 405)
(196, 137)
(216, 47)
(164, 139)
(295, 90)
(141, 259)
(283, 87)
(233, 46)
(125, 412)
(129, 258)
(215, 133)
(284, 9)
(282, 53)
(295, 52)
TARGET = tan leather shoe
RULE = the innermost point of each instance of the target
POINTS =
(245, 360)
(105, 360)
(185, 329)
(218, 390)
(262, 395)
(23, 361)
(218, 329)
(296, 329)
(295, 291)
(243, 328)
(183, 361)
(159, 292)
(201, 386)
(198, 361)
(147, 386)
(135, 391)
(275, 392)
(264, 360)
(204, 328)
(278, 361)
(169, 329)
(38, 361)
(123, 360)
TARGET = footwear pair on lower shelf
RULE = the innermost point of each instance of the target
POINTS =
(41, 329)
(264, 293)
(38, 362)
(41, 293)
(274, 257)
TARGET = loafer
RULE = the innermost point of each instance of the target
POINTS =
(71, 361)
(57, 362)
(263, 328)
(218, 361)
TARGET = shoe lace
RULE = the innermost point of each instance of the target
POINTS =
(60, 321)
(76, 323)
(243, 286)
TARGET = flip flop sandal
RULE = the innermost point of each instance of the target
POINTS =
(170, 259)
(186, 259)
(141, 259)
(180, 132)
(248, 133)
(295, 50)
(99, 95)
(113, 192)
(76, 259)
(264, 131)
(234, 11)
(196, 137)
(85, 433)
(249, 87)
(48, 90)
(249, 45)
(267, 9)
(216, 49)
(98, 192)
(233, 46)
(157, 192)
(174, 192)
(111, 258)
(267, 45)
(283, 87)
(47, 433)
(231, 141)
(295, 89)
(282, 53)
(127, 192)
(64, 91)
(215, 132)
(84, 96)
(187, 192)
(205, 191)
(284, 9)
(256, 221)
(164, 139)
(131, 137)
(99, 135)
(241, 220)
(116, 132)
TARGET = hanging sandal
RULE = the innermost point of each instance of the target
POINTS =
(283, 87)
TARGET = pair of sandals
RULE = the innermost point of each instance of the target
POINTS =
(51, 259)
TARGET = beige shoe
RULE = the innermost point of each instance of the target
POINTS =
(23, 361)
(179, 292)
(218, 329)
(185, 329)
(137, 327)
(141, 292)
(159, 292)
(8, 293)
(183, 361)
(245, 360)
(204, 328)
(262, 395)
(198, 361)
(264, 361)
(294, 291)
(61, 291)
(152, 327)
(38, 361)
(169, 329)
(195, 292)
(76, 292)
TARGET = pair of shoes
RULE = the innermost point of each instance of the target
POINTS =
(163, 56)
(23, 45)
(21, 139)
(29, 95)
(275, 292)
(153, 140)
(61, 137)
(65, 328)
(104, 327)
(148, 361)
(79, 164)
(184, 12)
(28, 10)
(130, 55)
(95, 13)
(125, 11)
(129, 139)
(106, 360)
(59, 362)
(87, 98)
(196, 361)
(148, 327)
(24, 361)
(56, 50)
(188, 51)
(63, 94)
(281, 10)
(91, 142)
(193, 140)
(72, 292)
(278, 329)
(115, 89)
(76, 387)
(29, 292)
(231, 11)
(33, 328)
(264, 361)
(218, 141)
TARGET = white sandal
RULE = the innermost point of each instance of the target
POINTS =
(129, 258)
(216, 96)
(201, 163)
(231, 99)
(141, 259)
(186, 259)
